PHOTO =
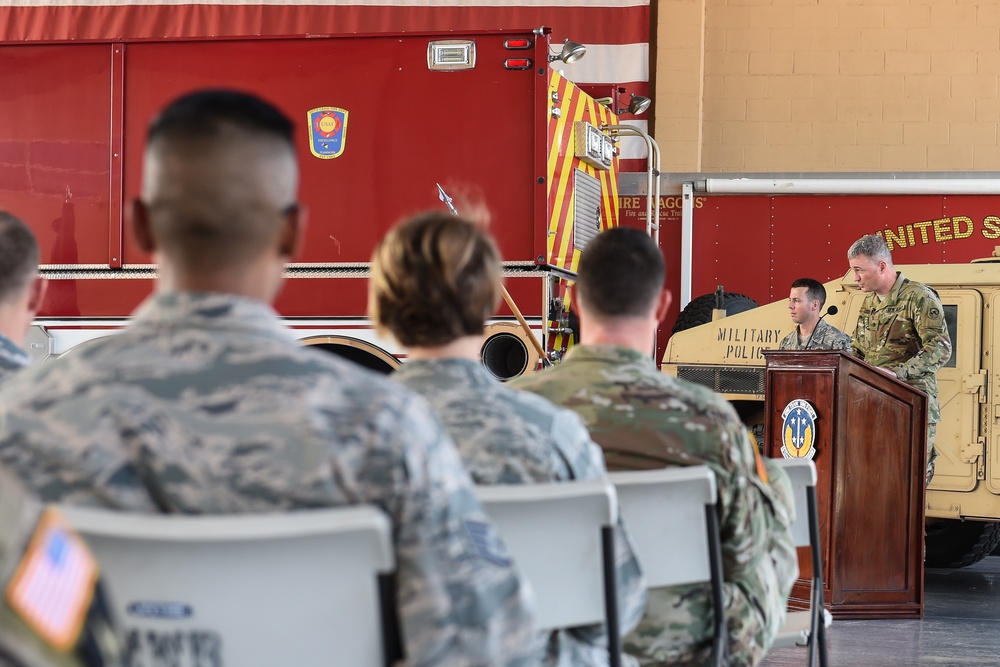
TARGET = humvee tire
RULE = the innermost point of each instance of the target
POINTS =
(954, 543)
(699, 311)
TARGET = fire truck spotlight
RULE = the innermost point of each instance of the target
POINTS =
(571, 52)
(507, 353)
(637, 105)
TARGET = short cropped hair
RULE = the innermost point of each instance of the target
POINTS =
(434, 278)
(18, 256)
(204, 223)
(200, 115)
(621, 273)
(814, 289)
(871, 246)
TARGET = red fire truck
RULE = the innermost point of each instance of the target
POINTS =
(384, 118)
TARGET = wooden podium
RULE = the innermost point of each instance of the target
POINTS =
(868, 433)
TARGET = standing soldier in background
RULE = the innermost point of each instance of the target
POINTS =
(21, 291)
(901, 328)
(207, 404)
(645, 419)
(805, 301)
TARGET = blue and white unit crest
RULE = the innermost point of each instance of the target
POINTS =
(798, 430)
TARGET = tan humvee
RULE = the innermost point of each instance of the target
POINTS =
(963, 500)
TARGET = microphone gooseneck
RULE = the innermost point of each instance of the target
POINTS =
(832, 310)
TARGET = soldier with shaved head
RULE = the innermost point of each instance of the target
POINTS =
(207, 404)
(645, 419)
(21, 291)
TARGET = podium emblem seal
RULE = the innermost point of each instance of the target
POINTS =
(798, 430)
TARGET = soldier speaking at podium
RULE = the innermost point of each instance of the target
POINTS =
(901, 327)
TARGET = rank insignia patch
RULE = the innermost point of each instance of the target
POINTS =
(798, 430)
(327, 132)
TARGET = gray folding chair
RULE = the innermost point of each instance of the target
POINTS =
(561, 535)
(302, 588)
(806, 628)
(672, 515)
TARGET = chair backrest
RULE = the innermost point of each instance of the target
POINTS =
(554, 532)
(671, 513)
(277, 589)
(802, 473)
(664, 510)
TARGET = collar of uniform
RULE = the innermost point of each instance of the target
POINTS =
(893, 292)
(459, 372)
(210, 309)
(614, 354)
(11, 354)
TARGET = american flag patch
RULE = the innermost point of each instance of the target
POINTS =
(54, 583)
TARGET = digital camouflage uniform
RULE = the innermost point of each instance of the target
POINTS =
(907, 334)
(12, 358)
(21, 645)
(512, 437)
(824, 337)
(207, 404)
(644, 419)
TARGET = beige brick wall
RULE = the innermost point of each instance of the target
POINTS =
(830, 85)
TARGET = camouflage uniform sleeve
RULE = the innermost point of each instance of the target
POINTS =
(459, 596)
(929, 324)
(568, 429)
(743, 522)
(788, 342)
(841, 341)
(857, 345)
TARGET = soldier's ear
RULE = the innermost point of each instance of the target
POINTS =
(663, 304)
(293, 231)
(141, 230)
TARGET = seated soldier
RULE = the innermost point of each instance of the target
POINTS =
(206, 403)
(644, 419)
(435, 280)
(52, 610)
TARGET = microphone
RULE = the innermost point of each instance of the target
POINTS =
(832, 310)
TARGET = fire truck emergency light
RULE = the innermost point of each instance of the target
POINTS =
(571, 52)
(637, 105)
(451, 54)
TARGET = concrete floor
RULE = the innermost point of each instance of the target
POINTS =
(960, 628)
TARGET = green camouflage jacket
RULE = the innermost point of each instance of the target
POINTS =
(513, 437)
(824, 337)
(207, 404)
(645, 419)
(907, 334)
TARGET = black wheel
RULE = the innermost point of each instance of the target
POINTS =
(699, 311)
(953, 543)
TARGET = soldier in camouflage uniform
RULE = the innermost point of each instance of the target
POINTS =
(645, 419)
(21, 291)
(90, 641)
(207, 404)
(901, 327)
(805, 301)
(435, 280)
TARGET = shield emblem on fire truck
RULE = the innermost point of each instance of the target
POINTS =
(327, 132)
(798, 430)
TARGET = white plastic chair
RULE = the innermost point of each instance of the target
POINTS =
(802, 626)
(561, 535)
(302, 588)
(672, 516)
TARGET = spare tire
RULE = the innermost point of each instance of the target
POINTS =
(699, 311)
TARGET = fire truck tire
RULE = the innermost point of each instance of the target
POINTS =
(699, 311)
(953, 543)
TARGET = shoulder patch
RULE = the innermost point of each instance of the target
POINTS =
(54, 583)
